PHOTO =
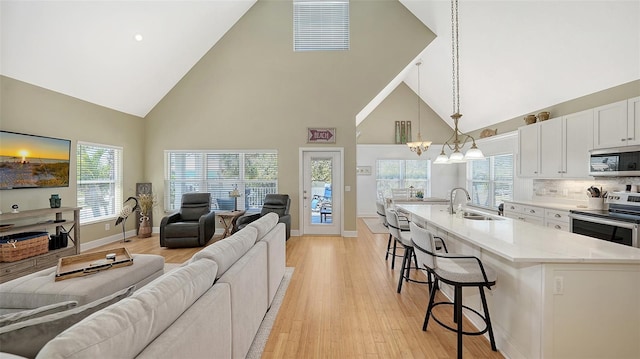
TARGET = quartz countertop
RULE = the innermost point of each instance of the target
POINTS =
(518, 241)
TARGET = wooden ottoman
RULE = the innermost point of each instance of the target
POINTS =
(40, 288)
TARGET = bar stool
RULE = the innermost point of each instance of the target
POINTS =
(404, 226)
(404, 237)
(458, 271)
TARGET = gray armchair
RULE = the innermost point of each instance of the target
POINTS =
(192, 226)
(277, 203)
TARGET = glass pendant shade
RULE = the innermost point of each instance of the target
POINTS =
(474, 153)
(457, 156)
(441, 159)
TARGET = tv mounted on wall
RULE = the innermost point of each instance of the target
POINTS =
(30, 161)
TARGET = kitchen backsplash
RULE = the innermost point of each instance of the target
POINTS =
(576, 190)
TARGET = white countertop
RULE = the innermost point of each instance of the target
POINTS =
(518, 241)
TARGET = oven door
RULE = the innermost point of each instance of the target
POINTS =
(609, 230)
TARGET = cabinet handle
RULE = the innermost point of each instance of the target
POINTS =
(557, 226)
(512, 207)
(623, 139)
(557, 215)
(630, 138)
(535, 172)
(532, 211)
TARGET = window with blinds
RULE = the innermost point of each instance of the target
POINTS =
(253, 174)
(99, 178)
(393, 174)
(320, 25)
(491, 180)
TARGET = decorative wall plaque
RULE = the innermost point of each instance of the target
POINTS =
(321, 135)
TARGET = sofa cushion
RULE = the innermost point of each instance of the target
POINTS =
(265, 224)
(28, 337)
(227, 251)
(125, 329)
(11, 318)
(39, 289)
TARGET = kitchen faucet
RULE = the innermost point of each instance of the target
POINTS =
(451, 210)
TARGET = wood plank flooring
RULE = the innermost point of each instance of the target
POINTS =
(342, 303)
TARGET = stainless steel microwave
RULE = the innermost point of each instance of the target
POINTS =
(618, 161)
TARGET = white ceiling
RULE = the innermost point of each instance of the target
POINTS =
(515, 56)
(86, 49)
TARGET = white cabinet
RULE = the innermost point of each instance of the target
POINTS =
(613, 125)
(557, 219)
(525, 213)
(528, 150)
(542, 216)
(557, 148)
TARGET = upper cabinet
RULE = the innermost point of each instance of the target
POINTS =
(528, 150)
(617, 124)
(564, 146)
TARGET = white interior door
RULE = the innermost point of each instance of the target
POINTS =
(321, 195)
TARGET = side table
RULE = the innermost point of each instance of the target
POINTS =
(228, 220)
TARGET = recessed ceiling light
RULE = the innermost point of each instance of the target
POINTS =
(138, 37)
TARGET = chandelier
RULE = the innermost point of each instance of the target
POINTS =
(458, 140)
(419, 146)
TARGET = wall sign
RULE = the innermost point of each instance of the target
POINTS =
(321, 135)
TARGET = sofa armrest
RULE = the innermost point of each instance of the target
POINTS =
(246, 219)
(207, 225)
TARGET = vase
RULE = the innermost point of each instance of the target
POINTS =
(145, 227)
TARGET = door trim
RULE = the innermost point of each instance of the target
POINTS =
(301, 152)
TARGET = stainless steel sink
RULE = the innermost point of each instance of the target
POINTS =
(477, 216)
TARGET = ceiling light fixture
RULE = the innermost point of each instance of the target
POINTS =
(457, 141)
(419, 146)
(138, 37)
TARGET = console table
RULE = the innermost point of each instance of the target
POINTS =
(40, 219)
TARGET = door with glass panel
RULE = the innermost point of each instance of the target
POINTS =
(321, 197)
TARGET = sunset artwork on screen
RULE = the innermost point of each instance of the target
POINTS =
(29, 161)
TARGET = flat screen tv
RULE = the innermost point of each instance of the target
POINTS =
(30, 161)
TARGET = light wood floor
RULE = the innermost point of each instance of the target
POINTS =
(342, 303)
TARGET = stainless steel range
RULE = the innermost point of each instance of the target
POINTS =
(618, 224)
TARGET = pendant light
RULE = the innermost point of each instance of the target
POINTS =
(419, 146)
(458, 140)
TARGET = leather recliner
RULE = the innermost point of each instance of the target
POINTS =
(192, 226)
(277, 203)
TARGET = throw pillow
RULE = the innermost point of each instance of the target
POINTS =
(28, 337)
(16, 317)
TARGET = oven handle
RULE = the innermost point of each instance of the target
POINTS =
(603, 221)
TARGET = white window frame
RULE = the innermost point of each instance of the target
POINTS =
(401, 179)
(491, 181)
(113, 203)
(200, 183)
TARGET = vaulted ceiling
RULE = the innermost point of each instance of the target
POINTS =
(515, 56)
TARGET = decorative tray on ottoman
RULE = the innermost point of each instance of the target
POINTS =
(88, 263)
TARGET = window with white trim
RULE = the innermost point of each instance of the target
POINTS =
(392, 174)
(320, 25)
(253, 173)
(490, 181)
(99, 178)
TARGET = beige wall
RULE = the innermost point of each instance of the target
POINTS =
(30, 109)
(614, 94)
(401, 105)
(251, 91)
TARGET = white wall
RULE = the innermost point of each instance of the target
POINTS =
(443, 177)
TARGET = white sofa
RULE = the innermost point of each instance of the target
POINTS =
(210, 307)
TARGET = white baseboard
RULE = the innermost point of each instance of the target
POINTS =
(350, 234)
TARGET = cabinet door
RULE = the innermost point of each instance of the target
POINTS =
(578, 130)
(551, 148)
(633, 120)
(610, 125)
(528, 144)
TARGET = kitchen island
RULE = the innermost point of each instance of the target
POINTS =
(558, 294)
